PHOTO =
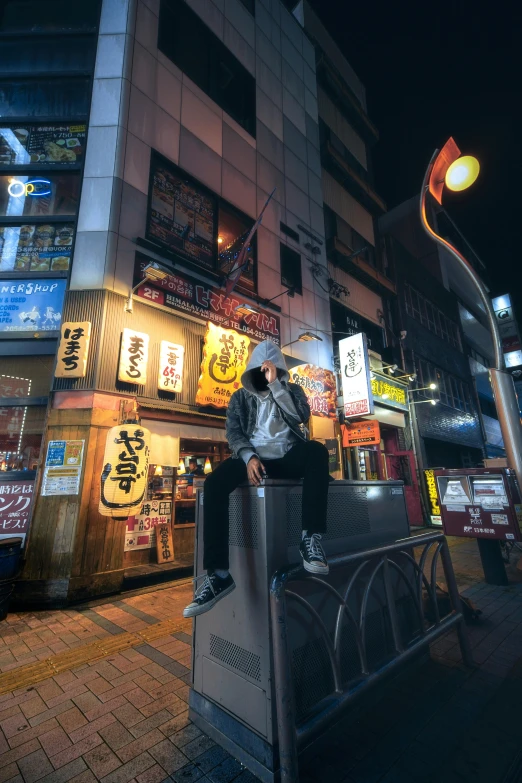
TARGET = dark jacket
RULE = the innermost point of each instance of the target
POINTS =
(242, 409)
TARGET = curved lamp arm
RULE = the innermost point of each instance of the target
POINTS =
(465, 265)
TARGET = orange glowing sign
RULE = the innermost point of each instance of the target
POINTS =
(362, 433)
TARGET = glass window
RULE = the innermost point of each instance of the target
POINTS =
(51, 15)
(407, 299)
(233, 229)
(291, 269)
(26, 376)
(47, 55)
(40, 194)
(44, 98)
(442, 391)
(415, 306)
(21, 431)
(207, 61)
(36, 248)
(430, 315)
(59, 144)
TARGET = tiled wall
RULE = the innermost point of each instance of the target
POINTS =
(142, 101)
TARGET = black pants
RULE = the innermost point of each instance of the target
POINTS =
(307, 460)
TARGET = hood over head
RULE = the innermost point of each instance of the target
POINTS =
(265, 351)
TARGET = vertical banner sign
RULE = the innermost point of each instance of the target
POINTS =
(73, 350)
(435, 515)
(164, 544)
(355, 373)
(134, 355)
(125, 470)
(225, 357)
(170, 373)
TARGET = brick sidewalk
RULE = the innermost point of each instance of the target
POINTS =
(123, 719)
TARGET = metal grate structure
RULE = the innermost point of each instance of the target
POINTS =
(236, 657)
(358, 647)
(243, 522)
(338, 523)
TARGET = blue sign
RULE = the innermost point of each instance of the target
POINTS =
(56, 452)
(31, 305)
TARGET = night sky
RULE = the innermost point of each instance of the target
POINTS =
(428, 78)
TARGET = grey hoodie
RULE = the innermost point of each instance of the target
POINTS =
(272, 436)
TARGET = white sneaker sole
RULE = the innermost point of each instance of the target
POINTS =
(195, 611)
(314, 568)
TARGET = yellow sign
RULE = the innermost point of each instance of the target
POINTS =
(170, 372)
(433, 496)
(390, 392)
(73, 350)
(225, 357)
(125, 471)
(134, 355)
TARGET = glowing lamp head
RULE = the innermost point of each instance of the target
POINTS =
(462, 173)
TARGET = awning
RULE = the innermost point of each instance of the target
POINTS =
(387, 416)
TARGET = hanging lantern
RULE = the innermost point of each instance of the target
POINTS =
(208, 466)
(125, 470)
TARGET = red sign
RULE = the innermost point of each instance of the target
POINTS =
(320, 388)
(363, 433)
(15, 507)
(206, 303)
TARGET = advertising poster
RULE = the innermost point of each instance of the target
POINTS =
(31, 305)
(320, 388)
(225, 357)
(36, 248)
(58, 144)
(355, 374)
(192, 297)
(141, 529)
(63, 467)
(16, 499)
(182, 216)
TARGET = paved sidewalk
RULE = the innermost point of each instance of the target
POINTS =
(120, 716)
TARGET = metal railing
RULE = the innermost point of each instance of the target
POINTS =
(353, 606)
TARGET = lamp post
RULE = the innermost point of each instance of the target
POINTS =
(448, 167)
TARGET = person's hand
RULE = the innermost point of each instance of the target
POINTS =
(255, 471)
(270, 371)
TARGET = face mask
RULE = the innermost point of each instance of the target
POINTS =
(259, 381)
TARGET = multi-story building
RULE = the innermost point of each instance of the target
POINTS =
(198, 112)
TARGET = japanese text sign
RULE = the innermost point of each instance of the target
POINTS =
(389, 392)
(73, 350)
(320, 388)
(125, 470)
(225, 357)
(357, 394)
(164, 544)
(431, 485)
(170, 372)
(134, 355)
(15, 507)
(364, 432)
(141, 528)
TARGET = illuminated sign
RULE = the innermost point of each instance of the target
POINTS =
(134, 355)
(355, 374)
(389, 392)
(170, 372)
(320, 388)
(436, 518)
(32, 187)
(125, 471)
(363, 433)
(225, 358)
(73, 350)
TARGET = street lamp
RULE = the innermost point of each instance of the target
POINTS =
(448, 167)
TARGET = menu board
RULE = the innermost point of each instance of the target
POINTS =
(58, 144)
(36, 248)
(182, 216)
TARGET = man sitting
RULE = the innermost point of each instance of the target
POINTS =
(265, 432)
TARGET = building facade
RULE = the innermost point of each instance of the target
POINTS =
(198, 113)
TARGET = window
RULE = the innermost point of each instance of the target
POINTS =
(38, 195)
(54, 145)
(191, 221)
(44, 98)
(52, 15)
(194, 48)
(291, 269)
(431, 317)
(27, 379)
(450, 390)
(36, 247)
(47, 55)
(289, 231)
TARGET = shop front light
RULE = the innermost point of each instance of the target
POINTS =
(181, 467)
(208, 466)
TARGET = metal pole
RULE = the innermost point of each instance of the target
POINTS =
(465, 647)
(288, 762)
(502, 383)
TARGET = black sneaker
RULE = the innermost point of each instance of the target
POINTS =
(312, 552)
(211, 591)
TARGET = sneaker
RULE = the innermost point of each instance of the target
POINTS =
(312, 552)
(211, 591)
